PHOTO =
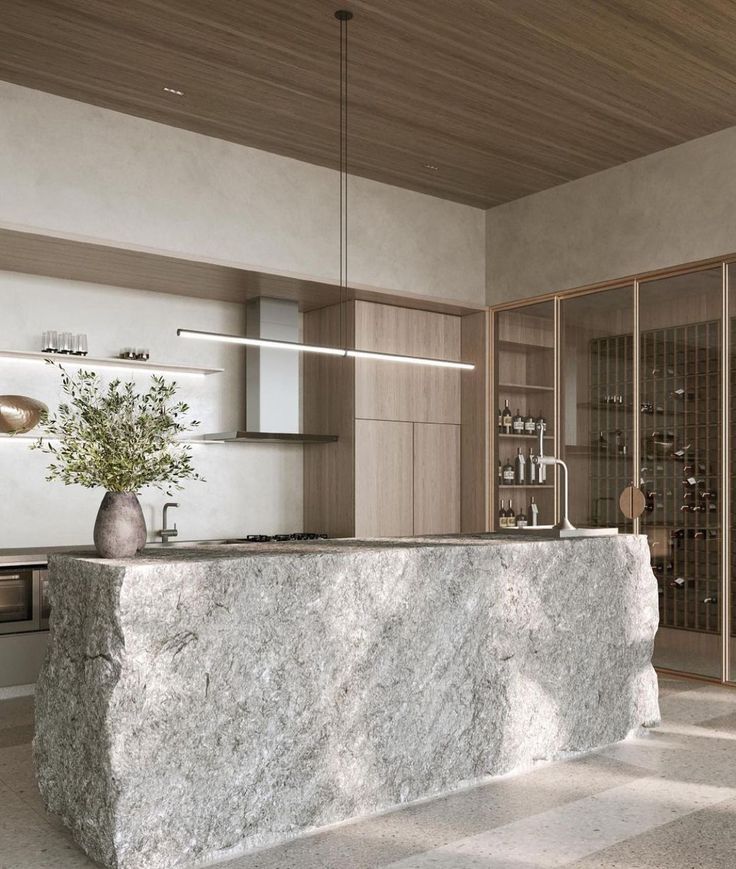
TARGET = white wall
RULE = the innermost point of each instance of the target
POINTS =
(249, 488)
(672, 207)
(77, 169)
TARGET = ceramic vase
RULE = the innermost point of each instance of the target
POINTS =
(120, 529)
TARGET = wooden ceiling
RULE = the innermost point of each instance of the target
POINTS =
(505, 98)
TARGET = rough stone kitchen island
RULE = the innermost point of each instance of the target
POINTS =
(198, 702)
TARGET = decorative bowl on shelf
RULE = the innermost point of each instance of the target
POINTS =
(19, 413)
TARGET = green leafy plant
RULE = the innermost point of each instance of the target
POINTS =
(117, 438)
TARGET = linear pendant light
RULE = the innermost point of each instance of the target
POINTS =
(259, 342)
(343, 16)
(320, 348)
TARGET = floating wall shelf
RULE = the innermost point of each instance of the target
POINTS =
(263, 437)
(107, 362)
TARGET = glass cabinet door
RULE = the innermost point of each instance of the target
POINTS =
(680, 371)
(597, 404)
(524, 373)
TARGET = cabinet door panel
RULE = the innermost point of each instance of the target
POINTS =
(436, 479)
(397, 391)
(383, 478)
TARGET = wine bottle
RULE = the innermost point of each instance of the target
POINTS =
(517, 423)
(531, 469)
(683, 394)
(501, 515)
(506, 418)
(530, 425)
(520, 473)
(521, 521)
(508, 473)
(533, 512)
(510, 516)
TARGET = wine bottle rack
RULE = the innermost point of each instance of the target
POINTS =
(612, 427)
(680, 430)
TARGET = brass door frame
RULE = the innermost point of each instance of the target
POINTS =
(725, 497)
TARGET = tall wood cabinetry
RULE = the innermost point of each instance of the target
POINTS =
(397, 466)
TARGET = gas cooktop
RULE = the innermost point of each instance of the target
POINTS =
(277, 538)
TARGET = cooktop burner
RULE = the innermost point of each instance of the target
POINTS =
(278, 538)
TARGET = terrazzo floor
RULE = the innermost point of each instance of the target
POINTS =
(665, 800)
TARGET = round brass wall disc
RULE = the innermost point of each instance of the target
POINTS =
(632, 502)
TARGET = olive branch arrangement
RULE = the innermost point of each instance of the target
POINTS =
(115, 437)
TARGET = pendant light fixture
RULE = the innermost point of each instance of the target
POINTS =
(343, 16)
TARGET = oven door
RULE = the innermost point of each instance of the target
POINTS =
(19, 600)
(43, 595)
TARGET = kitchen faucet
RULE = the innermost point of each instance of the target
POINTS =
(165, 533)
(549, 461)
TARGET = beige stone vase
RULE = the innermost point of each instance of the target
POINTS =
(120, 529)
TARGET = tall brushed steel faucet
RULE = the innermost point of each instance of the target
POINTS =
(167, 533)
(550, 461)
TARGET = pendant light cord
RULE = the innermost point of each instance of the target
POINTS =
(343, 16)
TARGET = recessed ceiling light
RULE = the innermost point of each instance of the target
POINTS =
(175, 91)
(431, 166)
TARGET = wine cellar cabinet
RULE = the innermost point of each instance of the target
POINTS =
(635, 385)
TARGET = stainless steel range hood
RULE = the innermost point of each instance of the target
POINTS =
(273, 407)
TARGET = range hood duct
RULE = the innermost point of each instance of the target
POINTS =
(272, 391)
(272, 376)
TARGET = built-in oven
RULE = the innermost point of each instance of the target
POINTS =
(22, 596)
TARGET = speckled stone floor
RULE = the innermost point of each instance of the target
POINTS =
(666, 799)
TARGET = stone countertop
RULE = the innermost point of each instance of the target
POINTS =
(154, 554)
(195, 702)
(186, 550)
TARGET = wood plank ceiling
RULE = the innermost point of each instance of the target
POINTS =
(505, 98)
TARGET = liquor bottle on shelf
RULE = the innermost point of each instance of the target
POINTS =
(533, 512)
(501, 515)
(541, 423)
(517, 424)
(541, 475)
(530, 425)
(510, 516)
(520, 470)
(521, 520)
(532, 469)
(506, 418)
(508, 473)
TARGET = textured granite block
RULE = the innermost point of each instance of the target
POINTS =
(194, 703)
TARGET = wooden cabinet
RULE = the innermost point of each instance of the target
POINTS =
(396, 469)
(395, 390)
(384, 496)
(436, 478)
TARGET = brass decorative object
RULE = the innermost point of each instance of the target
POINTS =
(19, 413)
(632, 502)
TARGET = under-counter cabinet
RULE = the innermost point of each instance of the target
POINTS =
(396, 469)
